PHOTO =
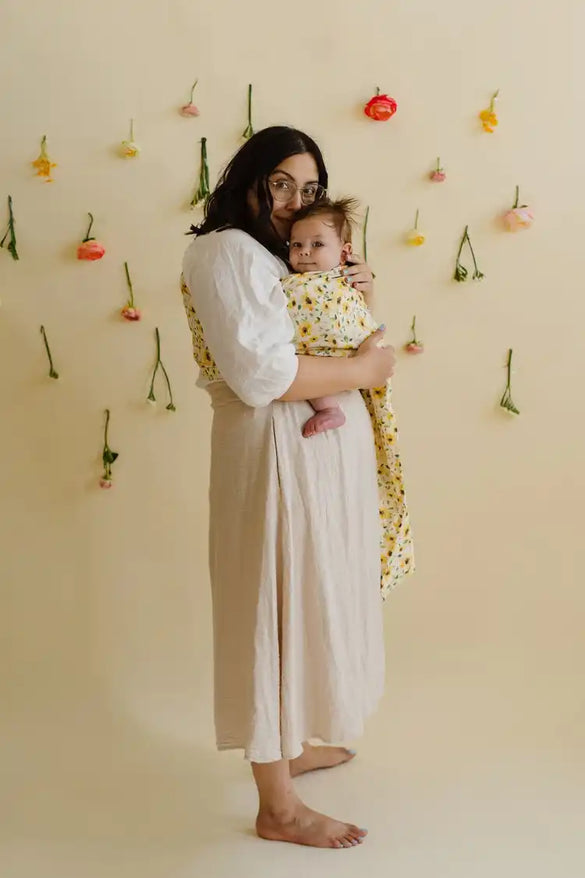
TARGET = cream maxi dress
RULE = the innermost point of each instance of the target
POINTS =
(294, 525)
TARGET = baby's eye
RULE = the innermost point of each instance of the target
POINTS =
(317, 243)
(295, 244)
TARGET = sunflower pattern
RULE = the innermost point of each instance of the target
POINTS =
(331, 319)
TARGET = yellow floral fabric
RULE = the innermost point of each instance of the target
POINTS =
(332, 319)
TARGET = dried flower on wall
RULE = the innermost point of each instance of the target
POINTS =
(488, 117)
(129, 311)
(10, 232)
(249, 129)
(438, 175)
(520, 216)
(415, 238)
(151, 398)
(190, 109)
(52, 372)
(381, 107)
(414, 346)
(461, 273)
(506, 400)
(108, 457)
(203, 191)
(128, 148)
(43, 163)
(90, 249)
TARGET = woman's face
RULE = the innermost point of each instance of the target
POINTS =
(298, 169)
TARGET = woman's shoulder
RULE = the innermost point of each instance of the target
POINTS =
(227, 243)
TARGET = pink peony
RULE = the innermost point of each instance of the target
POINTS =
(518, 218)
(106, 483)
(130, 313)
(438, 176)
(91, 250)
(189, 110)
(415, 347)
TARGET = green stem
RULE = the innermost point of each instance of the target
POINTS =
(377, 90)
(463, 240)
(494, 99)
(171, 405)
(151, 391)
(87, 238)
(509, 369)
(438, 163)
(129, 282)
(10, 231)
(517, 198)
(203, 190)
(131, 130)
(365, 234)
(193, 90)
(249, 130)
(477, 271)
(44, 146)
(52, 372)
(107, 464)
(416, 220)
(413, 327)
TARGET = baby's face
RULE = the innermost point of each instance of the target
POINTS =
(316, 246)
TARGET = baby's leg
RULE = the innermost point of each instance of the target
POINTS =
(328, 416)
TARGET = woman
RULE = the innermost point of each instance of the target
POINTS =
(294, 528)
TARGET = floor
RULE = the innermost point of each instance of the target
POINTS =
(454, 779)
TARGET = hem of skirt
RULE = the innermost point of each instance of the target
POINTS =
(255, 756)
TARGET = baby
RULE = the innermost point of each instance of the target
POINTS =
(320, 241)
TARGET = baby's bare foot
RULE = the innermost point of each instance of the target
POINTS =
(302, 825)
(313, 758)
(328, 419)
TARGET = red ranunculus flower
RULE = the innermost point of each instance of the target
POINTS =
(380, 107)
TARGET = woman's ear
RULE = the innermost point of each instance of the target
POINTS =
(345, 252)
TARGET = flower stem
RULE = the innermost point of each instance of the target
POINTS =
(10, 231)
(131, 130)
(193, 90)
(52, 372)
(416, 219)
(203, 191)
(44, 146)
(517, 198)
(377, 90)
(413, 328)
(477, 275)
(365, 234)
(438, 163)
(129, 282)
(494, 99)
(87, 238)
(108, 456)
(249, 130)
(171, 406)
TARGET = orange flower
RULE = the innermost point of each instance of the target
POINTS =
(43, 163)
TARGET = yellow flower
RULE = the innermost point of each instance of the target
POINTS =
(43, 163)
(488, 117)
(129, 149)
(415, 238)
(305, 329)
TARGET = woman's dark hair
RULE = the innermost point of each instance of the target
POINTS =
(227, 206)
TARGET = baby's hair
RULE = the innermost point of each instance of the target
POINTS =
(341, 213)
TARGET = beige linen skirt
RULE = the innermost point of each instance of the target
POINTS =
(295, 576)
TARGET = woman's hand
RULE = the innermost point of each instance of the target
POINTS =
(376, 361)
(359, 276)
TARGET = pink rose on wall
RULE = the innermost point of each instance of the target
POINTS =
(415, 345)
(190, 109)
(90, 249)
(520, 216)
(438, 175)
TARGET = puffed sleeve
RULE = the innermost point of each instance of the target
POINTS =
(235, 286)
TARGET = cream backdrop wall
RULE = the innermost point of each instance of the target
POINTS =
(106, 650)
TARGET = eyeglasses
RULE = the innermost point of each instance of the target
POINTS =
(285, 190)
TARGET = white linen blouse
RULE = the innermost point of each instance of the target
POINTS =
(234, 284)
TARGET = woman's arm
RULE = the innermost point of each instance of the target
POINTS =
(326, 376)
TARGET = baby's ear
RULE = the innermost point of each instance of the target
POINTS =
(345, 252)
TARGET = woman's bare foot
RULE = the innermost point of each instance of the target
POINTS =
(328, 419)
(313, 758)
(301, 825)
